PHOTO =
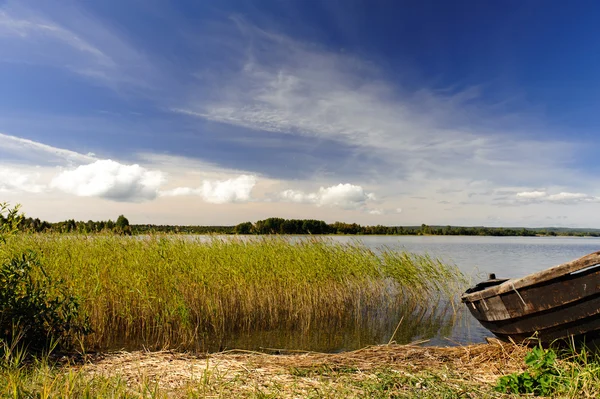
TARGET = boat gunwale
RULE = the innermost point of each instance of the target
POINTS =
(535, 278)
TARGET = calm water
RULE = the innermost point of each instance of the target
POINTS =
(508, 257)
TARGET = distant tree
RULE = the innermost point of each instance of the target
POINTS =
(122, 222)
(122, 225)
(243, 228)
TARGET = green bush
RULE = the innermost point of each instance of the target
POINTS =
(541, 377)
(35, 309)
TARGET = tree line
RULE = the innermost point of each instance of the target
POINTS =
(287, 226)
(120, 226)
(309, 226)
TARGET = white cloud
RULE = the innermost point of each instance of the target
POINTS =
(12, 180)
(387, 132)
(345, 196)
(237, 189)
(532, 194)
(110, 180)
(376, 212)
(37, 26)
(559, 198)
(568, 197)
(38, 152)
(77, 42)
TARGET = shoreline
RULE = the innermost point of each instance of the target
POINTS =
(390, 370)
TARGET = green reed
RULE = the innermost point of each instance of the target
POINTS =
(178, 292)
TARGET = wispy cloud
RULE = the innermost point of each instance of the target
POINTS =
(39, 153)
(233, 190)
(62, 35)
(37, 27)
(558, 198)
(322, 115)
(304, 90)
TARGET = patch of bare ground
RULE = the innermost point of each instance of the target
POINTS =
(377, 371)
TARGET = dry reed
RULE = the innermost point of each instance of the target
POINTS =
(177, 292)
(474, 368)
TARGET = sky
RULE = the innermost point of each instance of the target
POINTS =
(376, 112)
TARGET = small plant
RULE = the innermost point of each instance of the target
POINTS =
(322, 370)
(541, 377)
(36, 312)
(10, 218)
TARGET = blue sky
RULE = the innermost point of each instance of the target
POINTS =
(376, 112)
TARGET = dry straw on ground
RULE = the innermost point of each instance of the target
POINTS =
(298, 375)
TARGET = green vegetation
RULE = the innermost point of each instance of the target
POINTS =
(164, 375)
(106, 291)
(38, 312)
(174, 292)
(47, 379)
(393, 371)
(291, 226)
(541, 377)
(10, 221)
(178, 292)
(570, 372)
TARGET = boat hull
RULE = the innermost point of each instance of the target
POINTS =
(555, 307)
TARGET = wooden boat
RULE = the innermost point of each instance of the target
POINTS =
(562, 302)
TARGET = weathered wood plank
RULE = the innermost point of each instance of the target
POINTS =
(554, 304)
(557, 317)
(584, 329)
(536, 278)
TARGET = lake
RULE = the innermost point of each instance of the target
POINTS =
(507, 257)
(477, 256)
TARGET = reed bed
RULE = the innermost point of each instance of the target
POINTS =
(177, 292)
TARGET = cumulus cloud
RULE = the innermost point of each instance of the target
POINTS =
(559, 198)
(12, 180)
(376, 212)
(532, 194)
(238, 189)
(111, 180)
(345, 196)
(569, 197)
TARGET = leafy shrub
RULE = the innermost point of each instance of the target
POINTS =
(541, 377)
(35, 309)
(9, 221)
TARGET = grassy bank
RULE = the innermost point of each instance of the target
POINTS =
(389, 371)
(174, 292)
(164, 292)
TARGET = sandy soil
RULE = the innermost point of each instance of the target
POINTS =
(238, 371)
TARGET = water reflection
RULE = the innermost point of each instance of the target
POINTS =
(409, 322)
(441, 324)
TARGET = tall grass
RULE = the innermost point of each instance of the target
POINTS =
(162, 291)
